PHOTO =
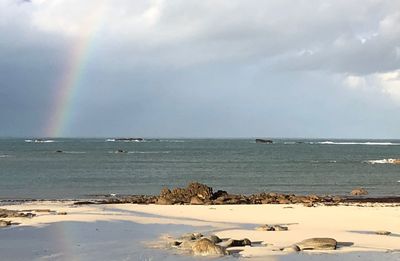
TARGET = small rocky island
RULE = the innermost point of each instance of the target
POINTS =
(264, 141)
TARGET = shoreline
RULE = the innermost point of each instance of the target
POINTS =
(200, 194)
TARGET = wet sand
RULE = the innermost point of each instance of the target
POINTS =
(130, 231)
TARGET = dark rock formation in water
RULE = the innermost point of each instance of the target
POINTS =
(129, 139)
(264, 141)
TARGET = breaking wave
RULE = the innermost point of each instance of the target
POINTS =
(40, 141)
(356, 143)
(384, 161)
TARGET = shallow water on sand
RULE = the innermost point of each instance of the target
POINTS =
(86, 167)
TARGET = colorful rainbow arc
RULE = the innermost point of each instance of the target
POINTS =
(73, 74)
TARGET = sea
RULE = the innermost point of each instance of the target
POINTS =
(87, 168)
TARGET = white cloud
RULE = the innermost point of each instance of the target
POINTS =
(387, 83)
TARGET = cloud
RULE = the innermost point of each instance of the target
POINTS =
(203, 68)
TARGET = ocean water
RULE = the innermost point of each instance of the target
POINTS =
(89, 167)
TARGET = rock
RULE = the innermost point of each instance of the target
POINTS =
(359, 192)
(59, 151)
(4, 223)
(186, 244)
(191, 236)
(265, 228)
(163, 201)
(61, 213)
(271, 228)
(204, 247)
(263, 141)
(215, 239)
(196, 201)
(318, 244)
(5, 213)
(280, 228)
(219, 193)
(383, 232)
(236, 243)
(292, 248)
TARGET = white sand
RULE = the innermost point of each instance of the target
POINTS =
(352, 226)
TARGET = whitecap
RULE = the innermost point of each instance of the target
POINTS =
(383, 161)
(357, 143)
(110, 140)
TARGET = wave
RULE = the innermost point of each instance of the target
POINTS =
(125, 140)
(384, 161)
(40, 141)
(356, 143)
(72, 152)
(4, 156)
(149, 152)
(170, 141)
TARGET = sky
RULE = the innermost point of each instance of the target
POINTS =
(209, 68)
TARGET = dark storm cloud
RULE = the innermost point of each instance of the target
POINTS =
(204, 68)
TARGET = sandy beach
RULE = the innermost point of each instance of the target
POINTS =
(136, 232)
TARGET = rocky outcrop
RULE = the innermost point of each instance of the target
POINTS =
(195, 193)
(264, 141)
(359, 192)
(205, 247)
(318, 244)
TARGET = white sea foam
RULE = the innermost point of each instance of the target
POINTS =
(4, 156)
(383, 161)
(356, 143)
(110, 140)
(40, 141)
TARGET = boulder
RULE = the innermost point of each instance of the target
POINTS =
(292, 248)
(318, 244)
(204, 247)
(4, 223)
(236, 243)
(215, 239)
(164, 201)
(359, 192)
(191, 236)
(196, 201)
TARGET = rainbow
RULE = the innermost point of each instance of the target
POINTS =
(73, 74)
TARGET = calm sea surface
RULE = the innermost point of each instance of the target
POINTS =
(88, 167)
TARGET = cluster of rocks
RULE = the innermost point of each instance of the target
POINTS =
(5, 213)
(200, 245)
(199, 194)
